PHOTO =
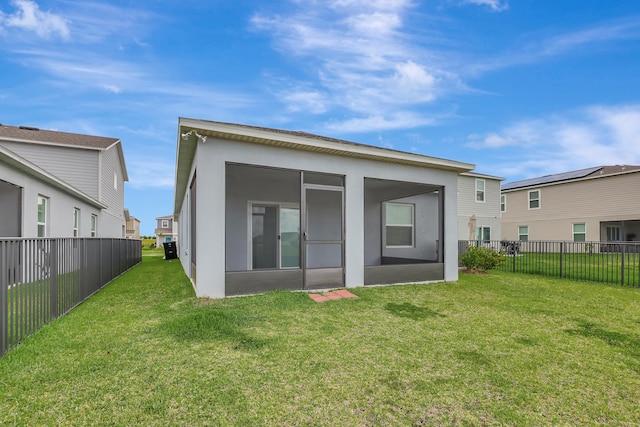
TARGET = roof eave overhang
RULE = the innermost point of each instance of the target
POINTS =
(195, 130)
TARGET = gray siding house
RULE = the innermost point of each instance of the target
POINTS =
(59, 184)
(601, 203)
(479, 207)
(261, 209)
(165, 230)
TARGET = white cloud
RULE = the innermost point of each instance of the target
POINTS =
(375, 123)
(30, 18)
(150, 172)
(593, 136)
(365, 60)
(495, 5)
(305, 100)
(543, 46)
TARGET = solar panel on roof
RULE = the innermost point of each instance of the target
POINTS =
(547, 179)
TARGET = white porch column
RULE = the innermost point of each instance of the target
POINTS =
(210, 222)
(451, 230)
(354, 227)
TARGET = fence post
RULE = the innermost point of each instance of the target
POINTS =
(561, 252)
(624, 247)
(53, 279)
(515, 256)
(4, 285)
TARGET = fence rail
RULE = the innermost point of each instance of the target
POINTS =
(43, 279)
(606, 262)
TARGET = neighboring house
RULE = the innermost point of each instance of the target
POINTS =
(479, 207)
(262, 209)
(595, 204)
(132, 225)
(165, 230)
(59, 184)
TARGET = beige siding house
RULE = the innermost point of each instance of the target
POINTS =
(595, 204)
(479, 207)
(133, 225)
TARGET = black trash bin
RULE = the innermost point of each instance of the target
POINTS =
(170, 251)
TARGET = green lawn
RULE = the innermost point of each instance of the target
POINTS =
(497, 349)
(596, 267)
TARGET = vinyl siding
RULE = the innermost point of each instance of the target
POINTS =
(77, 167)
(590, 201)
(109, 195)
(487, 213)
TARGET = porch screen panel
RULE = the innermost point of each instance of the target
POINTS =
(265, 236)
(324, 215)
(290, 237)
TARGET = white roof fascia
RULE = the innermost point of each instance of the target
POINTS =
(482, 175)
(11, 158)
(259, 135)
(53, 144)
(187, 143)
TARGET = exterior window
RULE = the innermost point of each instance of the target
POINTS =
(94, 225)
(534, 199)
(165, 223)
(613, 234)
(503, 203)
(399, 224)
(484, 234)
(523, 233)
(480, 190)
(76, 222)
(579, 232)
(43, 214)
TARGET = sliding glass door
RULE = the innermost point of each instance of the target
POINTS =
(275, 236)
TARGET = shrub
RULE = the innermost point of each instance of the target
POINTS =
(480, 258)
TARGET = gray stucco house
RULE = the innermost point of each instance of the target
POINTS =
(59, 184)
(261, 209)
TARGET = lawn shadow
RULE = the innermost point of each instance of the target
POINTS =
(411, 311)
(627, 342)
(206, 324)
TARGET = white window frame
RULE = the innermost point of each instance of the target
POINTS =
(481, 193)
(76, 222)
(480, 233)
(529, 199)
(574, 232)
(43, 224)
(164, 223)
(94, 225)
(522, 234)
(503, 203)
(412, 225)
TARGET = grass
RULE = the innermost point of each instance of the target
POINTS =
(596, 267)
(489, 350)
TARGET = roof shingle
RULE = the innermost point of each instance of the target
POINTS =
(41, 136)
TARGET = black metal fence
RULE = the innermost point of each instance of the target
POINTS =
(606, 262)
(43, 279)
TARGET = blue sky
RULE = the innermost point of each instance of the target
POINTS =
(519, 88)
